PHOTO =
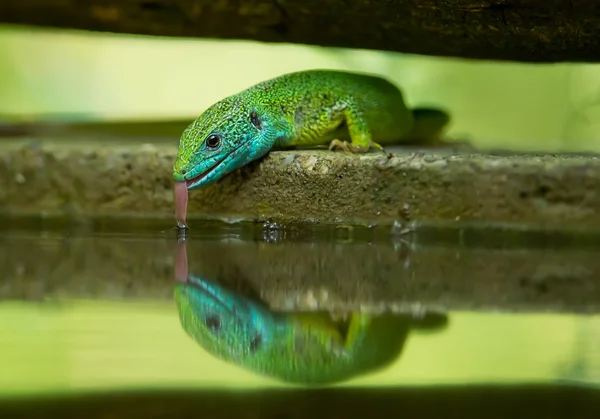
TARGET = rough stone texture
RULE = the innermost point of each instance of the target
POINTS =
(313, 275)
(526, 30)
(80, 177)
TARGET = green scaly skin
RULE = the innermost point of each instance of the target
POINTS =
(299, 348)
(349, 111)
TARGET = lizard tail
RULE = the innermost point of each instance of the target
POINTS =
(428, 127)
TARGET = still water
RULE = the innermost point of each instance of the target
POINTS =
(122, 306)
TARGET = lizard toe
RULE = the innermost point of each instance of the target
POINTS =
(339, 145)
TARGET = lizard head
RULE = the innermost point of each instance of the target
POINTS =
(226, 324)
(228, 135)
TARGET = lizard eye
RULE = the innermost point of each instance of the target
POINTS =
(256, 342)
(213, 141)
(213, 323)
(255, 120)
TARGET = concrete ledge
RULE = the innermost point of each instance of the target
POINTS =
(81, 177)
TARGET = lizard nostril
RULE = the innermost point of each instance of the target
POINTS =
(183, 171)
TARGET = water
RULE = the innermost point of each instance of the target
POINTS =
(121, 316)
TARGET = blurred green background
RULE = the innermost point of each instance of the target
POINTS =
(549, 107)
(83, 345)
(86, 76)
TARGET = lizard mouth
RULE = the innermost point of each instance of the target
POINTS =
(198, 180)
(209, 291)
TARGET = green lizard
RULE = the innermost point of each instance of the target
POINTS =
(349, 111)
(299, 348)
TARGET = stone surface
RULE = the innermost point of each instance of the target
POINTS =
(526, 30)
(83, 177)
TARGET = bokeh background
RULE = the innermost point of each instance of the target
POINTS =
(69, 75)
(79, 75)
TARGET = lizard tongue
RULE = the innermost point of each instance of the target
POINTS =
(181, 263)
(180, 196)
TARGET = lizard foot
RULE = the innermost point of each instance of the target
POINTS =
(349, 147)
(339, 145)
(378, 147)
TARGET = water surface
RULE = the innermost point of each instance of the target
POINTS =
(127, 305)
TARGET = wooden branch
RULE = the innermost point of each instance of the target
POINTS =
(523, 30)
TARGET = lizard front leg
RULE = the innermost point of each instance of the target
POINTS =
(357, 330)
(360, 135)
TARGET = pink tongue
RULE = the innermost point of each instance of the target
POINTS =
(180, 196)
(181, 263)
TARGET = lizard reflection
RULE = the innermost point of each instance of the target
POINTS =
(308, 348)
